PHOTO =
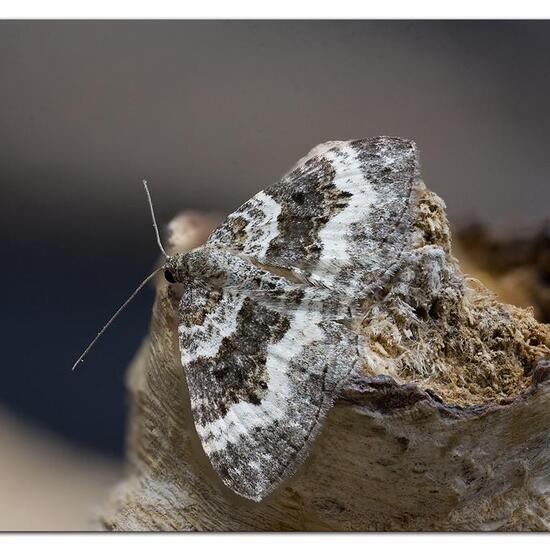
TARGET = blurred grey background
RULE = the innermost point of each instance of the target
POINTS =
(211, 112)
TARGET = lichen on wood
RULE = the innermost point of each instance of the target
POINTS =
(455, 337)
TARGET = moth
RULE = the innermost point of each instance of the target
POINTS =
(267, 317)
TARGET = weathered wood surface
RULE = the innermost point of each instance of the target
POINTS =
(446, 428)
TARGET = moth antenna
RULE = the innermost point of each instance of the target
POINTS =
(155, 226)
(115, 315)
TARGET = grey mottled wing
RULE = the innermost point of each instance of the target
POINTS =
(265, 352)
(263, 362)
(342, 216)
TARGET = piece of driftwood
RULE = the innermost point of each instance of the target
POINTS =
(447, 427)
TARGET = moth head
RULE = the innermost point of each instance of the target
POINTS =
(196, 264)
(175, 268)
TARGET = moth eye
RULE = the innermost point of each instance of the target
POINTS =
(168, 276)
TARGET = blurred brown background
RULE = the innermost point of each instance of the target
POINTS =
(211, 112)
